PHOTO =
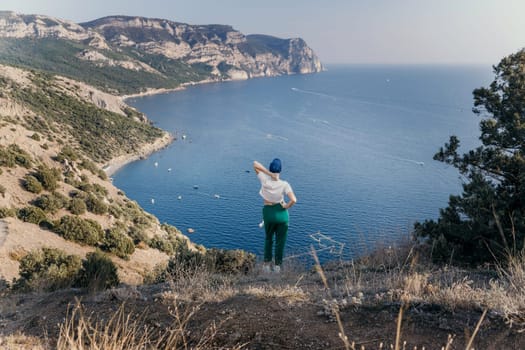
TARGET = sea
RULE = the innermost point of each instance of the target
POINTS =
(356, 143)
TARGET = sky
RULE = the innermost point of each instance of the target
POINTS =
(339, 31)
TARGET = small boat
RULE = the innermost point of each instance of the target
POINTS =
(179, 198)
(184, 136)
(169, 169)
(152, 201)
(216, 196)
(195, 187)
(190, 230)
(156, 164)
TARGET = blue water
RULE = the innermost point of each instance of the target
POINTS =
(356, 144)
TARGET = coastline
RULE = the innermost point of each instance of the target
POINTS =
(115, 164)
(183, 86)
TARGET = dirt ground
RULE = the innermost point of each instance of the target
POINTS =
(260, 320)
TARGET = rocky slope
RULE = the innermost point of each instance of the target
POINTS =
(227, 51)
(130, 54)
(35, 138)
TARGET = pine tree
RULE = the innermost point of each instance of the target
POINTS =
(487, 221)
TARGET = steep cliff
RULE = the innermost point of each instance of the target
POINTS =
(123, 54)
(228, 52)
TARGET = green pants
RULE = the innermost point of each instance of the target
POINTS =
(275, 222)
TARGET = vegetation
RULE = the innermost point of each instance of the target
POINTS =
(77, 229)
(7, 212)
(487, 221)
(98, 272)
(48, 177)
(77, 206)
(117, 242)
(101, 134)
(47, 269)
(51, 203)
(13, 155)
(32, 184)
(32, 215)
(48, 55)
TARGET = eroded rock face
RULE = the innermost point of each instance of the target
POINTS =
(228, 53)
(14, 25)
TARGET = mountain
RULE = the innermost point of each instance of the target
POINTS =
(123, 55)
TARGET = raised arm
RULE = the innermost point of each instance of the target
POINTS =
(259, 168)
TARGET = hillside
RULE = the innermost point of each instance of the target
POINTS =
(127, 55)
(54, 139)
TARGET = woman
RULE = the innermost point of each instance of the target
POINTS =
(275, 211)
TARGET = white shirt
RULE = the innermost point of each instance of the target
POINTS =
(273, 190)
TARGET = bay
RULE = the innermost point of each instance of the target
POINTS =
(356, 143)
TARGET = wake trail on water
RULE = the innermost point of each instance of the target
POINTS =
(314, 93)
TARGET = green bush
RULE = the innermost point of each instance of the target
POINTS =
(2, 190)
(47, 269)
(51, 203)
(230, 261)
(48, 177)
(35, 137)
(67, 152)
(213, 260)
(115, 211)
(157, 242)
(95, 205)
(138, 235)
(76, 229)
(32, 184)
(118, 243)
(32, 215)
(13, 155)
(98, 272)
(77, 206)
(7, 212)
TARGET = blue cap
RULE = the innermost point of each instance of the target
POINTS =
(275, 166)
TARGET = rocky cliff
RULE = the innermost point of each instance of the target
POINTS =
(164, 53)
(226, 51)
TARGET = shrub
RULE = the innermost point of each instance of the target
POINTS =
(98, 272)
(138, 235)
(13, 155)
(213, 260)
(35, 137)
(115, 211)
(230, 261)
(118, 243)
(160, 243)
(51, 202)
(32, 215)
(48, 177)
(95, 205)
(32, 184)
(67, 152)
(77, 206)
(47, 269)
(80, 230)
(7, 212)
(2, 190)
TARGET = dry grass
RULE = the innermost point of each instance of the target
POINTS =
(21, 342)
(129, 331)
(414, 284)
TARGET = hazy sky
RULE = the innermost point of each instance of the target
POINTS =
(340, 31)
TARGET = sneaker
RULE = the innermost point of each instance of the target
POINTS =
(277, 269)
(266, 268)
